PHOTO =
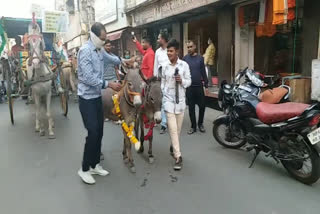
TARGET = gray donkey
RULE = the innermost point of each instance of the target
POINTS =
(150, 113)
(129, 103)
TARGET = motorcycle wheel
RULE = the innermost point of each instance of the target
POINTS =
(297, 168)
(222, 133)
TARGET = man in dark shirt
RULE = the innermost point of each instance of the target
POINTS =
(195, 93)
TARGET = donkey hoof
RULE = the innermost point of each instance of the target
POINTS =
(126, 160)
(141, 150)
(151, 160)
(52, 136)
(137, 145)
(37, 129)
(133, 169)
(42, 133)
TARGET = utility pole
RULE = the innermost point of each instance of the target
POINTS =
(87, 13)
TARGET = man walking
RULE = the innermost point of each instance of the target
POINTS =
(175, 79)
(111, 61)
(91, 82)
(161, 59)
(195, 93)
(148, 56)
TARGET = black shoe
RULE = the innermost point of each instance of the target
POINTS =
(192, 131)
(171, 151)
(163, 130)
(101, 156)
(178, 164)
(202, 129)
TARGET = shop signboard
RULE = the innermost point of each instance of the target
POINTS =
(106, 11)
(55, 22)
(173, 7)
(166, 8)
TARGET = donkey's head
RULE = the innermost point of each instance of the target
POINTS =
(153, 97)
(134, 85)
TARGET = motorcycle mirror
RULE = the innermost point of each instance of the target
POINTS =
(227, 86)
(226, 91)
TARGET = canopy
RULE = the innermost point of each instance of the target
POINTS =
(19, 26)
(114, 35)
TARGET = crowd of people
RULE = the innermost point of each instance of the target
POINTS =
(183, 81)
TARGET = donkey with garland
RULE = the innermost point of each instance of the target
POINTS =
(124, 106)
(150, 113)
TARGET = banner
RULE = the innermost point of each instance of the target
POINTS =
(2, 39)
(55, 22)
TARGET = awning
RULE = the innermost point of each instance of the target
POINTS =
(17, 26)
(115, 35)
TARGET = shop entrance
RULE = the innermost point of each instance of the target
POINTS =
(273, 50)
(200, 30)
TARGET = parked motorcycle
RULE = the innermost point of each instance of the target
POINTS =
(286, 132)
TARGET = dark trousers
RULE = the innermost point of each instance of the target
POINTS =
(195, 96)
(92, 116)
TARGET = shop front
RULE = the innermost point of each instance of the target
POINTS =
(191, 20)
(265, 45)
(269, 38)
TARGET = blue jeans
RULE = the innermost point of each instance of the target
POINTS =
(163, 118)
(58, 78)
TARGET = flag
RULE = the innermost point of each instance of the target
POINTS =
(2, 39)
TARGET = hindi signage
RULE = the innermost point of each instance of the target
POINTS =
(55, 22)
(166, 8)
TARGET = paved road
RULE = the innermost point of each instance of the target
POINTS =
(39, 175)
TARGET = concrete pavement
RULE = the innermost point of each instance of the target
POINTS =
(39, 175)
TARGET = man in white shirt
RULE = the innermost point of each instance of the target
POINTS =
(176, 78)
(160, 59)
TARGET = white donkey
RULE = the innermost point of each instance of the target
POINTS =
(40, 76)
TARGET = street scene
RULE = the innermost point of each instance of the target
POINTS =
(160, 106)
(40, 175)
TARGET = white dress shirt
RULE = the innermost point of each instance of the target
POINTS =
(160, 59)
(168, 86)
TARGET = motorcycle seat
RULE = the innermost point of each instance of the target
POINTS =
(274, 113)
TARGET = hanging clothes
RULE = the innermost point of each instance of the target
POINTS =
(291, 10)
(280, 12)
(241, 16)
(262, 11)
(267, 28)
(291, 3)
(280, 6)
(291, 14)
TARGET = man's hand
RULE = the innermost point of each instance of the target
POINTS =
(206, 91)
(115, 86)
(178, 78)
(134, 39)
